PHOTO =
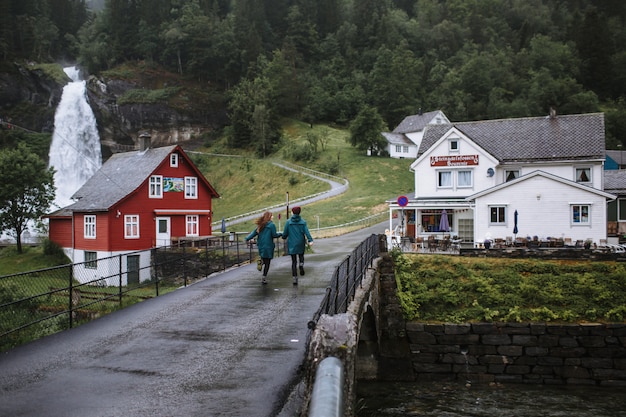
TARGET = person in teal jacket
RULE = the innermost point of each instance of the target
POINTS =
(266, 232)
(297, 234)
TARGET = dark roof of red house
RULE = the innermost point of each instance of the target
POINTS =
(120, 176)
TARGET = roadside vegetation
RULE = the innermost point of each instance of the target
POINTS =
(454, 289)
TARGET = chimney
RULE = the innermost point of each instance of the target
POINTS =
(144, 140)
(552, 113)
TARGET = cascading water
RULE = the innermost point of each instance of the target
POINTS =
(75, 151)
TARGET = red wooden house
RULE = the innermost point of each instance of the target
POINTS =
(136, 201)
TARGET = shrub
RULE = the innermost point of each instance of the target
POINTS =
(456, 289)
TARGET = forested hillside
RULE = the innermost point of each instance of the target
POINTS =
(328, 60)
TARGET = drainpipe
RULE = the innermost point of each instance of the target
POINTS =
(327, 396)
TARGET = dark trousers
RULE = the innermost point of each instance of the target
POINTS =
(294, 263)
(266, 265)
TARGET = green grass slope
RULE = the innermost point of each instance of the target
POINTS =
(246, 183)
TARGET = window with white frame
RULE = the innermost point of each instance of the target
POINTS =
(580, 214)
(497, 215)
(464, 179)
(91, 259)
(453, 145)
(90, 227)
(583, 174)
(191, 187)
(621, 209)
(131, 226)
(444, 179)
(511, 174)
(192, 225)
(156, 187)
(174, 160)
(405, 149)
(398, 148)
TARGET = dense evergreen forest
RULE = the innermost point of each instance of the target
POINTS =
(329, 60)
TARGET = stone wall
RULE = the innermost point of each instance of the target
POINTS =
(592, 354)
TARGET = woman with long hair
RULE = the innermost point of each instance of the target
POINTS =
(266, 232)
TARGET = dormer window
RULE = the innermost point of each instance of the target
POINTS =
(453, 145)
(174, 160)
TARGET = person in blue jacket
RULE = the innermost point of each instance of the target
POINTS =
(266, 232)
(297, 234)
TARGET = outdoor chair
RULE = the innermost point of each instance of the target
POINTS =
(432, 243)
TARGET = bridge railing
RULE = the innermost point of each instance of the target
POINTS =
(38, 303)
(347, 278)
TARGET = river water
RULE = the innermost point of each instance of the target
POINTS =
(453, 399)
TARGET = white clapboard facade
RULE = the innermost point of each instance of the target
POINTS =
(547, 169)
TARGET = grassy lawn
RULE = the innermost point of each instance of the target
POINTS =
(246, 183)
(455, 289)
(32, 258)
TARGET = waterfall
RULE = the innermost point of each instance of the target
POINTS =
(75, 150)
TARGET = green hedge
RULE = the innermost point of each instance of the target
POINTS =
(456, 289)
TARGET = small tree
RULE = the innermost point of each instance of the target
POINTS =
(26, 190)
(366, 130)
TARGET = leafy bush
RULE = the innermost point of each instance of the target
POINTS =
(456, 289)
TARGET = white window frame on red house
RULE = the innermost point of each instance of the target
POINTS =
(91, 259)
(191, 187)
(174, 160)
(89, 225)
(192, 224)
(155, 188)
(131, 226)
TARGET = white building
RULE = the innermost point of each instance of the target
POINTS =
(406, 138)
(547, 169)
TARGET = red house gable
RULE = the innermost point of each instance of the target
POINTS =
(136, 201)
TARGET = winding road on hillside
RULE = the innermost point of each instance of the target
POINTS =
(337, 186)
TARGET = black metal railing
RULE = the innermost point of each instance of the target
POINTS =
(347, 278)
(38, 303)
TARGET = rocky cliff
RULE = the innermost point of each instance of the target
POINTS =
(29, 96)
(125, 103)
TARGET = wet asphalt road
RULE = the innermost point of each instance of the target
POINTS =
(225, 346)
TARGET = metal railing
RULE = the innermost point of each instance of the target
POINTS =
(38, 303)
(347, 278)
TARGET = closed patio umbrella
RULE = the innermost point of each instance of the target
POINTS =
(515, 224)
(223, 225)
(444, 226)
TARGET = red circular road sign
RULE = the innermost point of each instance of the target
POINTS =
(403, 200)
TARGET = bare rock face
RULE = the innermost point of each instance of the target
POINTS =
(122, 113)
(29, 97)
(172, 110)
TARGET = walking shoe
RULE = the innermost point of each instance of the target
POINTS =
(301, 269)
(264, 281)
(259, 264)
(295, 280)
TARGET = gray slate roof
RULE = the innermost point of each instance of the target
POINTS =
(122, 174)
(615, 181)
(397, 138)
(415, 123)
(617, 156)
(567, 137)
